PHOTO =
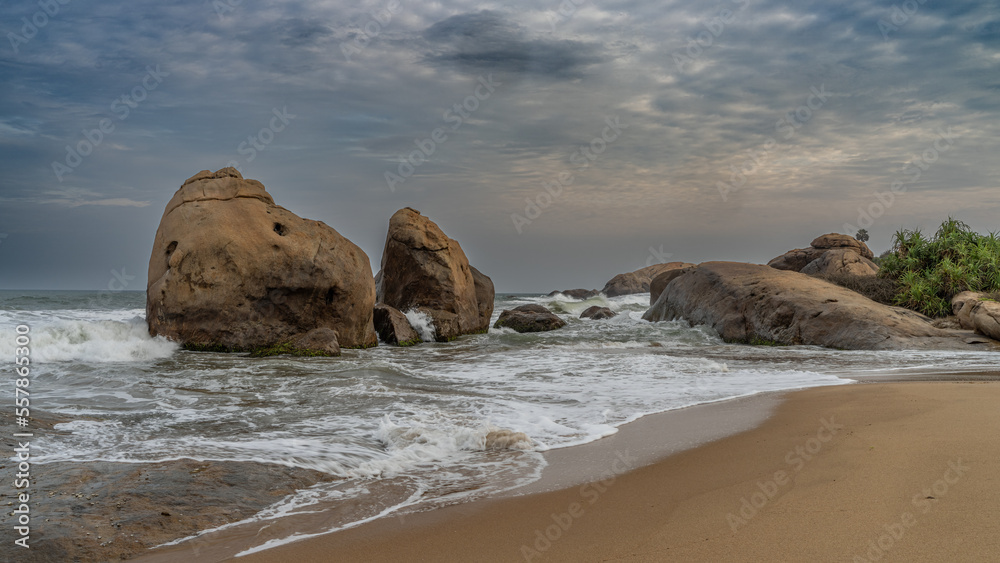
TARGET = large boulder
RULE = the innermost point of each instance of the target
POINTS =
(986, 318)
(962, 306)
(831, 254)
(529, 318)
(424, 269)
(754, 303)
(661, 280)
(841, 261)
(230, 270)
(393, 327)
(638, 281)
(836, 240)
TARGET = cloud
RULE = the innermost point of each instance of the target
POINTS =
(489, 41)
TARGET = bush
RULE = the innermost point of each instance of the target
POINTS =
(882, 290)
(928, 272)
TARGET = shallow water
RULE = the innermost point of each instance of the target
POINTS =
(400, 427)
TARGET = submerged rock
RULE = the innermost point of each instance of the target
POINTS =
(232, 271)
(529, 318)
(424, 269)
(393, 327)
(638, 281)
(597, 313)
(576, 293)
(752, 303)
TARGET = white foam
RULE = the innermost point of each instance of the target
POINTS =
(66, 340)
(422, 323)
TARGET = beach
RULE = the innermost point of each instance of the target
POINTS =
(899, 471)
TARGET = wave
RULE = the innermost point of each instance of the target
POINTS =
(95, 341)
(422, 323)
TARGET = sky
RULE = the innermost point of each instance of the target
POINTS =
(560, 142)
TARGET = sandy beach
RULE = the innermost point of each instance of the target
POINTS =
(901, 471)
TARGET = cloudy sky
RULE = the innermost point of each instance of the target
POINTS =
(690, 131)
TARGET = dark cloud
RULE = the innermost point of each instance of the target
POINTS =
(560, 80)
(488, 41)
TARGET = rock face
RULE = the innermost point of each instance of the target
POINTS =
(841, 261)
(529, 318)
(831, 254)
(230, 270)
(754, 303)
(986, 318)
(323, 340)
(661, 280)
(597, 313)
(393, 327)
(576, 293)
(962, 305)
(638, 281)
(424, 269)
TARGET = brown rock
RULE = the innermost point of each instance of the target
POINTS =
(638, 281)
(230, 270)
(962, 305)
(393, 327)
(754, 303)
(795, 260)
(319, 340)
(529, 318)
(659, 283)
(986, 318)
(835, 240)
(841, 261)
(597, 313)
(424, 269)
(485, 296)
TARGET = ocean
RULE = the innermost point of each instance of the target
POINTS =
(398, 429)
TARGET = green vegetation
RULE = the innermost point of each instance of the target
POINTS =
(928, 272)
(285, 348)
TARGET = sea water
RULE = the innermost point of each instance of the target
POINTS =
(396, 428)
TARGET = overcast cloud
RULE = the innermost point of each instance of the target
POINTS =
(816, 104)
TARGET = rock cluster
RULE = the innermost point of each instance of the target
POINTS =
(831, 254)
(976, 311)
(423, 269)
(639, 280)
(756, 304)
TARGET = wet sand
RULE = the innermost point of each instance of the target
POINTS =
(887, 471)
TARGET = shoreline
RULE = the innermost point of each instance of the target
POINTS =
(640, 442)
(862, 479)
